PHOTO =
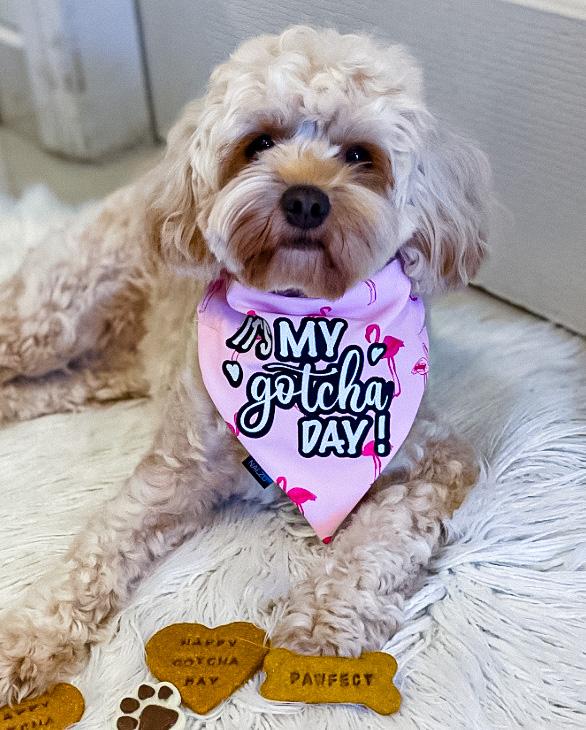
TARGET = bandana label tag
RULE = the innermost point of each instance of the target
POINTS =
(256, 470)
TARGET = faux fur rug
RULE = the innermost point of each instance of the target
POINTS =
(496, 635)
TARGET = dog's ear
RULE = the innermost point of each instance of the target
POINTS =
(448, 197)
(174, 193)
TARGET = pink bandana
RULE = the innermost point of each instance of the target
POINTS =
(321, 394)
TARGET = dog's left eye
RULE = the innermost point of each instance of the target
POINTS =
(259, 144)
(357, 154)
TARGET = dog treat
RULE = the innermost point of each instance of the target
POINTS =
(206, 665)
(58, 709)
(367, 680)
(151, 707)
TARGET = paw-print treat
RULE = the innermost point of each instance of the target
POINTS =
(154, 707)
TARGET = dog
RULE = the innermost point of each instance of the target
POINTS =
(105, 309)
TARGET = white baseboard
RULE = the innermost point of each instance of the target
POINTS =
(567, 8)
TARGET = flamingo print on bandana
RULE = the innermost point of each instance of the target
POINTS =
(213, 289)
(421, 367)
(232, 426)
(369, 450)
(297, 495)
(371, 291)
(323, 312)
(393, 345)
(316, 384)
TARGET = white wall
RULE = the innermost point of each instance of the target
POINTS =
(514, 77)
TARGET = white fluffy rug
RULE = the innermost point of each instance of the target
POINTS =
(496, 636)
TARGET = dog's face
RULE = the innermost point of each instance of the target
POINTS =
(304, 206)
(310, 163)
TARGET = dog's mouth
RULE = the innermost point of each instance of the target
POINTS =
(303, 243)
(290, 293)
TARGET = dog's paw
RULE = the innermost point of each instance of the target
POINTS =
(10, 357)
(154, 707)
(451, 464)
(32, 659)
(314, 642)
(308, 625)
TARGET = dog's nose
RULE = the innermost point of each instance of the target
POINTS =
(305, 206)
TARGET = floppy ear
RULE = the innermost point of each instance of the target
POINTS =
(448, 198)
(174, 193)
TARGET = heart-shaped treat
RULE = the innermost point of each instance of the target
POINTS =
(206, 665)
(58, 709)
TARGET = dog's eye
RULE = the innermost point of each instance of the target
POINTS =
(357, 154)
(259, 144)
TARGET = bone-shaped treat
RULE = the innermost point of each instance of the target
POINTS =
(367, 680)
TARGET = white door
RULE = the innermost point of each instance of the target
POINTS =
(16, 104)
(512, 76)
(72, 75)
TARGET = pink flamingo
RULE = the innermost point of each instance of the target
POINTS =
(421, 367)
(368, 450)
(393, 345)
(371, 291)
(323, 312)
(234, 428)
(297, 495)
(214, 287)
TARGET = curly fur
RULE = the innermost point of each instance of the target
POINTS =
(105, 309)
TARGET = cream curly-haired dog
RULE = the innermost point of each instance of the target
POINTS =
(106, 309)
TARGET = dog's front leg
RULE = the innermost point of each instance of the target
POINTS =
(353, 599)
(172, 491)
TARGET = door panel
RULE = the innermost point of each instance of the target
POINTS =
(16, 104)
(75, 68)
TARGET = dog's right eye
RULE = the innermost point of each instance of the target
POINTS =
(358, 155)
(259, 144)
